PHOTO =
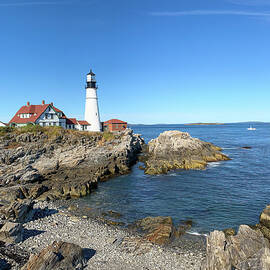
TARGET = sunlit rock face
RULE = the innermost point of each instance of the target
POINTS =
(178, 150)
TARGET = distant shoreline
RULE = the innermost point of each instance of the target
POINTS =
(203, 124)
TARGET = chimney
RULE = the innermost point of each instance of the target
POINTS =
(43, 102)
(28, 103)
(52, 103)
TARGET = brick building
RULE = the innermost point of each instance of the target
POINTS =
(114, 125)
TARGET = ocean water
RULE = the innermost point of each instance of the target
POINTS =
(225, 194)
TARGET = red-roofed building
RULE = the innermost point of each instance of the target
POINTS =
(45, 115)
(114, 125)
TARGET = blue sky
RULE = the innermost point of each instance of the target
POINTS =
(156, 61)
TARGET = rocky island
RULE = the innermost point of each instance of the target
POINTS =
(178, 150)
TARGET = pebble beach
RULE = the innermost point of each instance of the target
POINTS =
(105, 246)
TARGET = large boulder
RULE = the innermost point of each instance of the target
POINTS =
(245, 245)
(158, 230)
(248, 250)
(11, 233)
(17, 211)
(218, 257)
(178, 150)
(58, 255)
(259, 261)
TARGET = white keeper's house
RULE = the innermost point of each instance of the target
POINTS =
(45, 115)
(48, 115)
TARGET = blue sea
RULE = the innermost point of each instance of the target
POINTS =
(225, 194)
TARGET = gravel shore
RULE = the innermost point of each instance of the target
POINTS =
(105, 247)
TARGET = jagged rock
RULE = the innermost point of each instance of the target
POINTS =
(12, 256)
(218, 256)
(157, 230)
(30, 176)
(259, 261)
(178, 150)
(265, 217)
(248, 250)
(264, 230)
(112, 213)
(183, 228)
(11, 233)
(229, 231)
(17, 211)
(58, 255)
(245, 245)
(68, 163)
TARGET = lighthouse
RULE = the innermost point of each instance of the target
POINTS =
(91, 103)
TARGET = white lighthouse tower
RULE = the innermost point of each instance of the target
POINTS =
(91, 103)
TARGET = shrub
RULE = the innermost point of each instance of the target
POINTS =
(29, 128)
(5, 130)
(108, 136)
(53, 131)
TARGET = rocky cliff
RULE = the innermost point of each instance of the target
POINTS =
(248, 250)
(51, 163)
(178, 150)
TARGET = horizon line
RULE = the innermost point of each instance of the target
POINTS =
(17, 4)
(205, 123)
(209, 12)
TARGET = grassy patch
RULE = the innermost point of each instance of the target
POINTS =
(5, 130)
(108, 136)
(53, 132)
(29, 129)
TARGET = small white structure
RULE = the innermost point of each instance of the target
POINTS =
(2, 124)
(91, 103)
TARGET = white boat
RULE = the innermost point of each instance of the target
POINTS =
(251, 128)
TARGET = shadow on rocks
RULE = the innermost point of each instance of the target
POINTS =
(88, 253)
(12, 254)
(4, 265)
(30, 233)
(39, 213)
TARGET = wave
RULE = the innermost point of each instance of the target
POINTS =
(230, 148)
(198, 234)
(213, 164)
(172, 174)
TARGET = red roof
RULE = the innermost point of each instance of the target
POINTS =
(74, 121)
(57, 110)
(83, 123)
(34, 110)
(71, 121)
(115, 121)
